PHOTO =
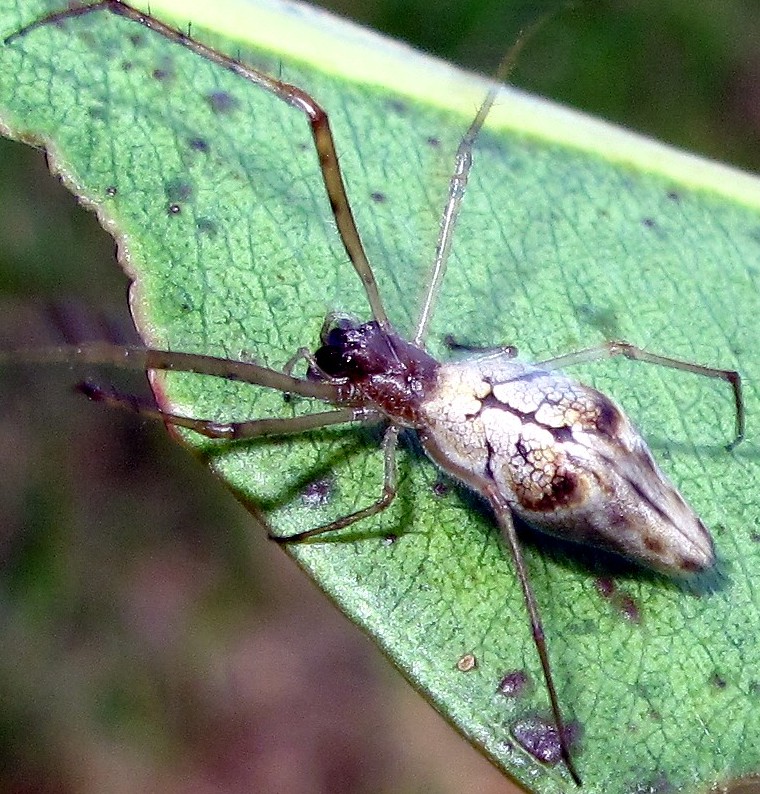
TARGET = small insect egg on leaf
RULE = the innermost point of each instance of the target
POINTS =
(467, 662)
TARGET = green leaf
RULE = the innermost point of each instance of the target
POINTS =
(572, 232)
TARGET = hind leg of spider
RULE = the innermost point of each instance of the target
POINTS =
(610, 349)
(389, 492)
(253, 428)
(504, 519)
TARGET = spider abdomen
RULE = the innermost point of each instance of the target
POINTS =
(564, 457)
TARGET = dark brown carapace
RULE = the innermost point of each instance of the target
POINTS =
(530, 440)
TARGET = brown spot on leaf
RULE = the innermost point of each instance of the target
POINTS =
(206, 226)
(318, 492)
(513, 684)
(440, 488)
(398, 106)
(718, 681)
(199, 145)
(628, 608)
(178, 190)
(540, 738)
(222, 102)
(604, 586)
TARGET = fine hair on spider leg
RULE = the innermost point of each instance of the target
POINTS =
(531, 441)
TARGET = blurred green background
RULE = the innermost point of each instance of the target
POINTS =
(126, 572)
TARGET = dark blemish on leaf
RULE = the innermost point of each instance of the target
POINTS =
(605, 586)
(674, 195)
(602, 319)
(174, 209)
(389, 539)
(467, 662)
(98, 112)
(137, 39)
(440, 488)
(540, 738)
(200, 145)
(621, 601)
(178, 190)
(318, 493)
(628, 608)
(754, 234)
(378, 197)
(222, 102)
(754, 537)
(514, 684)
(649, 223)
(433, 141)
(716, 680)
(127, 66)
(162, 74)
(398, 106)
(206, 226)
(658, 785)
(111, 190)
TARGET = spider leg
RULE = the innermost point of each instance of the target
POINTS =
(389, 492)
(321, 133)
(140, 358)
(458, 182)
(251, 428)
(504, 519)
(452, 343)
(611, 349)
